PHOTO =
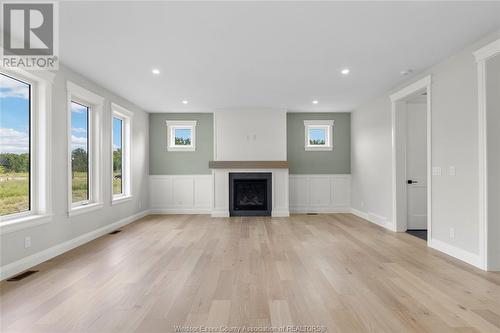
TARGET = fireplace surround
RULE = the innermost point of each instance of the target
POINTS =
(250, 193)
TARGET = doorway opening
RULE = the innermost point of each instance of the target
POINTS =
(411, 121)
(488, 67)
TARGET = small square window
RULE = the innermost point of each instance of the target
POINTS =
(318, 135)
(181, 135)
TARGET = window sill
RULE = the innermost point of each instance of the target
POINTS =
(121, 199)
(24, 222)
(84, 209)
(181, 148)
(308, 148)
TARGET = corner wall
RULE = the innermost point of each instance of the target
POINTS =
(336, 161)
(63, 232)
(455, 227)
(163, 162)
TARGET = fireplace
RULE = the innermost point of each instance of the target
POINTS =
(250, 193)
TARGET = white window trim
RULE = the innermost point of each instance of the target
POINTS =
(174, 124)
(325, 124)
(95, 104)
(126, 116)
(41, 142)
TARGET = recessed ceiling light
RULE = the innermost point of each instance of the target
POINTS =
(155, 71)
(315, 102)
(345, 71)
(184, 102)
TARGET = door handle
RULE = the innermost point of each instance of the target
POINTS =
(412, 181)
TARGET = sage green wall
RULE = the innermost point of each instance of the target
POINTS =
(337, 161)
(163, 162)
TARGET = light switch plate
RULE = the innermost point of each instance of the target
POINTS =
(27, 242)
(453, 171)
(436, 171)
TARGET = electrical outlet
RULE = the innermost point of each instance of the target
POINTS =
(362, 203)
(27, 242)
(139, 204)
(452, 233)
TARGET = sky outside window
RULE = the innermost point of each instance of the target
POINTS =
(79, 152)
(14, 146)
(117, 156)
(317, 136)
(182, 136)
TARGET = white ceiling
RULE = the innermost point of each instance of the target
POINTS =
(262, 54)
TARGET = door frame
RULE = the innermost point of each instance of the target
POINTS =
(399, 188)
(481, 56)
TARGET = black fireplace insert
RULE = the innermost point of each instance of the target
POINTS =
(250, 193)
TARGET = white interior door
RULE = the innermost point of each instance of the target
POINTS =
(416, 165)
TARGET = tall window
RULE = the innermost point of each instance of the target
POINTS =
(79, 152)
(117, 156)
(84, 147)
(121, 120)
(15, 146)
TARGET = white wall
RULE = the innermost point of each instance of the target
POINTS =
(454, 143)
(250, 135)
(371, 158)
(493, 132)
(58, 233)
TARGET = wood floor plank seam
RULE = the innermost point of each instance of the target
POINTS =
(337, 271)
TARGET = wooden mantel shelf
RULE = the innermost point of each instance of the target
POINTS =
(248, 164)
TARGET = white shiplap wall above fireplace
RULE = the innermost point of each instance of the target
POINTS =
(250, 135)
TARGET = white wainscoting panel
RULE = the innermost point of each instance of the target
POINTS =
(320, 193)
(221, 193)
(280, 193)
(180, 194)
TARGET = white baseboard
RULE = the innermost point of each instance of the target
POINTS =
(359, 213)
(373, 218)
(466, 256)
(174, 211)
(220, 213)
(324, 210)
(274, 213)
(18, 266)
(280, 213)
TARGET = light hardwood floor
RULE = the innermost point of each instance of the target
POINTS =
(336, 271)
